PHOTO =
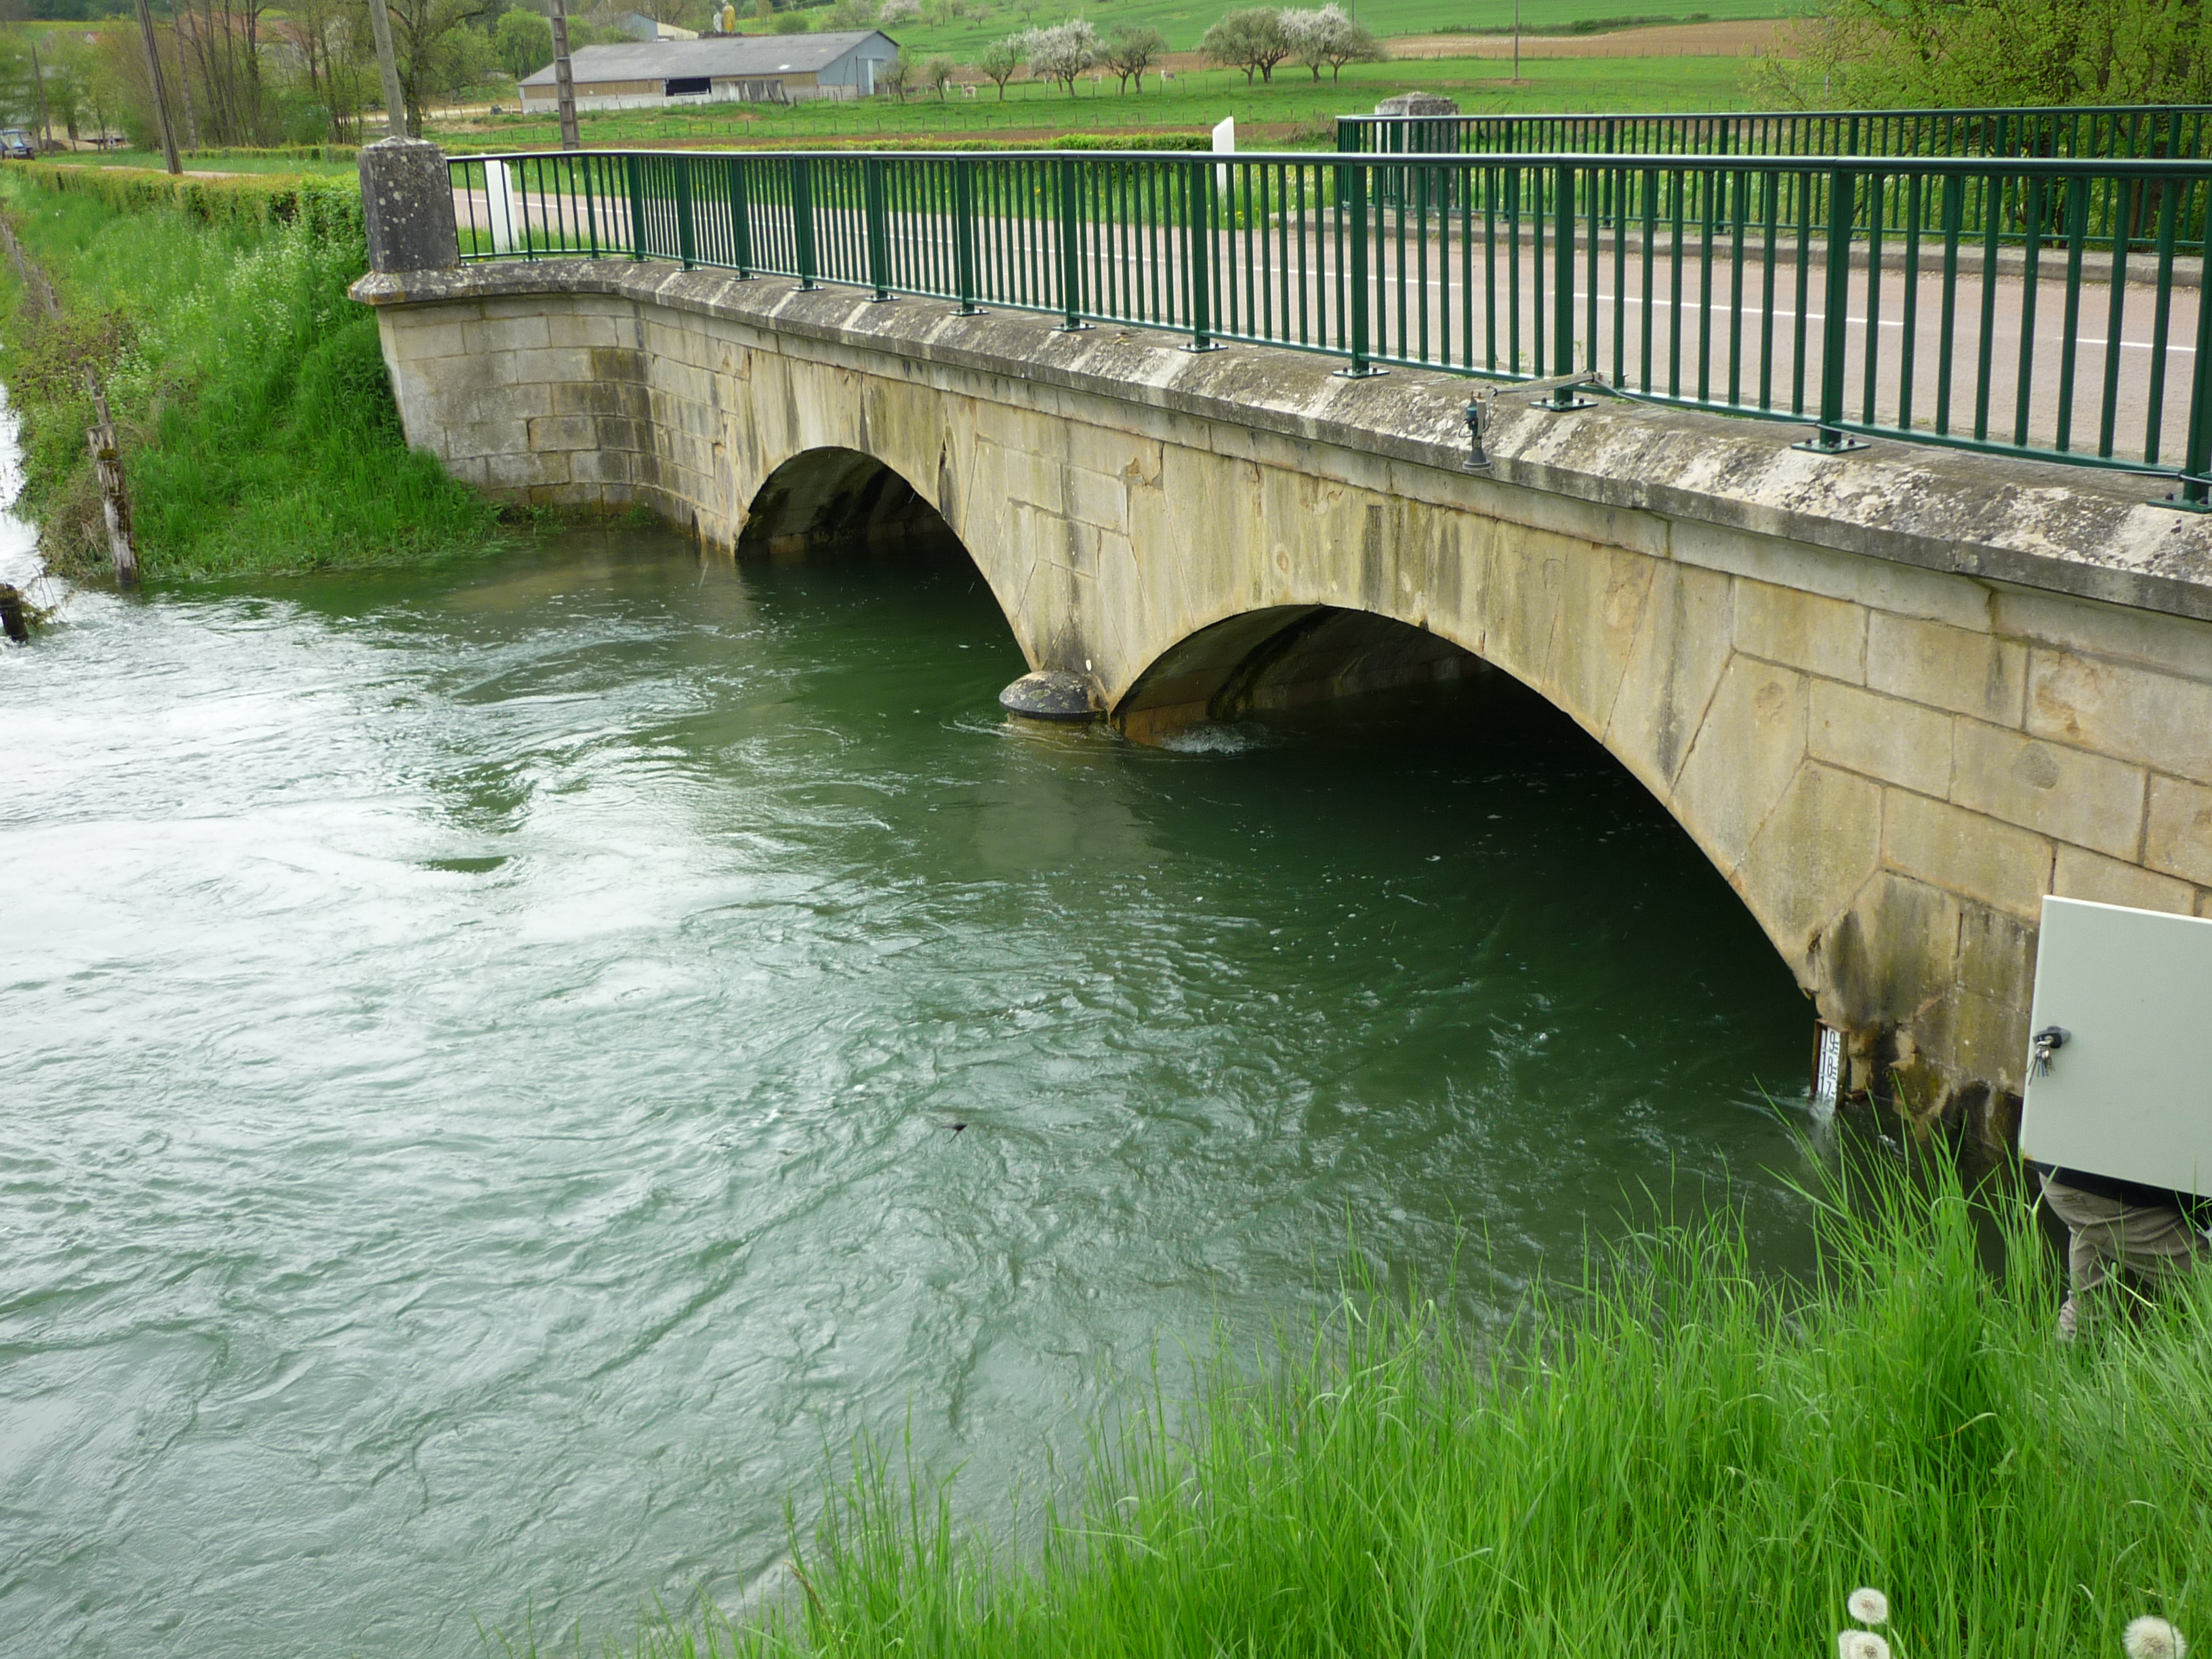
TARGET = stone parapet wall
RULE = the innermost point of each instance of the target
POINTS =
(1897, 697)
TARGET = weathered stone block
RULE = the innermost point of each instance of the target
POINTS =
(2178, 838)
(1884, 738)
(1820, 636)
(2108, 881)
(2170, 644)
(1682, 645)
(1097, 498)
(420, 337)
(600, 467)
(562, 432)
(1818, 848)
(1968, 853)
(1745, 754)
(520, 472)
(2062, 792)
(1890, 959)
(583, 330)
(524, 332)
(2164, 721)
(1952, 668)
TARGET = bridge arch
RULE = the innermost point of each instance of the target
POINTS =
(1286, 655)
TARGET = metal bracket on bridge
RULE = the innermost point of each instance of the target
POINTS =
(2191, 497)
(1830, 441)
(1560, 391)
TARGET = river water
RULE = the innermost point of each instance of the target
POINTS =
(484, 1053)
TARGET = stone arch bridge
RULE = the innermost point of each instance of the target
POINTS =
(1896, 696)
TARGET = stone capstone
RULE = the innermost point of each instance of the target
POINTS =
(1052, 693)
(1418, 103)
(407, 206)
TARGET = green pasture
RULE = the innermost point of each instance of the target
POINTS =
(1292, 110)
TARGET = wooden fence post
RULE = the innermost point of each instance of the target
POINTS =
(114, 498)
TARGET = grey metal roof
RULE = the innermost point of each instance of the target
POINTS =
(730, 56)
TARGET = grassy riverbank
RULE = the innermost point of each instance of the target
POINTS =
(1673, 1457)
(258, 432)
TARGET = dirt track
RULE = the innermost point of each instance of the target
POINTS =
(1738, 39)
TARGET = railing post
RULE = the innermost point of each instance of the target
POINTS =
(802, 221)
(964, 234)
(741, 221)
(2197, 458)
(1563, 290)
(1071, 252)
(1198, 262)
(1352, 188)
(878, 222)
(687, 247)
(1829, 439)
(633, 178)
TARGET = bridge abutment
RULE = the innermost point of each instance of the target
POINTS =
(1896, 698)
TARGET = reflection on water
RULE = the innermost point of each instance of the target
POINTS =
(483, 1049)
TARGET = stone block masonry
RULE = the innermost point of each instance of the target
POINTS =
(1896, 697)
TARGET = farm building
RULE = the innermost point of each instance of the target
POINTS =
(775, 69)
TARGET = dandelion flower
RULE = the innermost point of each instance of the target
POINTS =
(1861, 1644)
(2153, 1638)
(1869, 1607)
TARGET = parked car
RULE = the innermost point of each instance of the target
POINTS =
(16, 145)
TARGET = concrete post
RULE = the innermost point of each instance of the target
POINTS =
(407, 206)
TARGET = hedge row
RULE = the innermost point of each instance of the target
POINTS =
(331, 208)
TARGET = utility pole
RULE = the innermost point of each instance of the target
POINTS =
(39, 80)
(564, 78)
(161, 97)
(395, 98)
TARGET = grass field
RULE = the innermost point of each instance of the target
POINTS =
(152, 158)
(1292, 110)
(1672, 1457)
(1184, 21)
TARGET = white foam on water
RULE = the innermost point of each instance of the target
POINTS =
(1217, 739)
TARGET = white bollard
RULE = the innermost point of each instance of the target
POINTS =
(502, 207)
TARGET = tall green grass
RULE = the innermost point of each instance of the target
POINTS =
(258, 429)
(1672, 1455)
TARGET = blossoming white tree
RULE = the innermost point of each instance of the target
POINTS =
(1061, 52)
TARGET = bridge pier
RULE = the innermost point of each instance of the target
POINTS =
(1896, 697)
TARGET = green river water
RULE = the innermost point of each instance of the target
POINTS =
(483, 1053)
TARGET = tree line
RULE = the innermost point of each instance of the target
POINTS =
(1256, 40)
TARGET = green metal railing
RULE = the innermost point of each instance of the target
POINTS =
(2113, 133)
(2044, 308)
(2118, 132)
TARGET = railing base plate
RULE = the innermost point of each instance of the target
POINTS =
(1073, 328)
(1370, 372)
(1561, 406)
(1211, 345)
(2181, 504)
(1839, 446)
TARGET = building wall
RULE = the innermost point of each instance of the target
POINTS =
(1891, 761)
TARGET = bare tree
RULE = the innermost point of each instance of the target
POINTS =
(1131, 51)
(1251, 40)
(1000, 60)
